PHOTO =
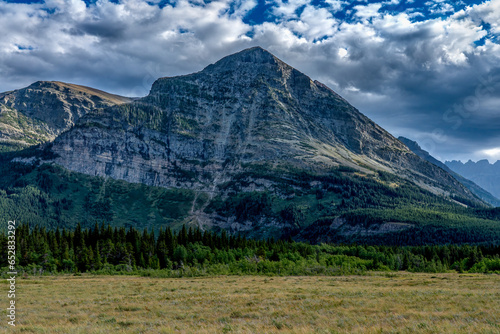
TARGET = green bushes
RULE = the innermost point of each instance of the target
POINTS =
(487, 266)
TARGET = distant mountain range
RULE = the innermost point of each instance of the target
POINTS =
(249, 145)
(482, 172)
(464, 179)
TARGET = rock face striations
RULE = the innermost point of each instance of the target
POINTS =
(249, 109)
(43, 110)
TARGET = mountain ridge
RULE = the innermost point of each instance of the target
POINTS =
(41, 111)
(473, 187)
(482, 172)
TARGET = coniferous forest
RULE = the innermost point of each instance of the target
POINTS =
(439, 235)
(192, 252)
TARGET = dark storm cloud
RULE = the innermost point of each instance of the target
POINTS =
(409, 72)
(106, 30)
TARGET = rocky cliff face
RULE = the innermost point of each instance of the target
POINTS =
(43, 110)
(249, 109)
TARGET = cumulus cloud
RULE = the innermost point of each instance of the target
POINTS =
(368, 11)
(414, 70)
(314, 23)
(115, 46)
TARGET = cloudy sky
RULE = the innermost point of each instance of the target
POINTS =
(427, 70)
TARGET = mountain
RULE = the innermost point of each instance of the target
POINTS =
(249, 108)
(482, 172)
(473, 187)
(415, 148)
(43, 110)
(249, 145)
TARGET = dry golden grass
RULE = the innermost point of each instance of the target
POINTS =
(388, 303)
(116, 99)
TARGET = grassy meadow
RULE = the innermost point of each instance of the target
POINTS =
(374, 303)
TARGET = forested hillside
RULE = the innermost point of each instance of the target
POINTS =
(341, 206)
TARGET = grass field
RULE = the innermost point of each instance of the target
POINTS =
(377, 303)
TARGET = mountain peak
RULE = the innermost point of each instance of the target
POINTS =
(70, 88)
(255, 51)
(253, 67)
(251, 57)
(49, 108)
(41, 83)
(483, 162)
(410, 143)
(256, 55)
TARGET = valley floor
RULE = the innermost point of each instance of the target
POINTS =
(375, 303)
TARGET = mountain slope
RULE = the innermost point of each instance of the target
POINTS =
(43, 110)
(249, 145)
(200, 130)
(340, 206)
(474, 188)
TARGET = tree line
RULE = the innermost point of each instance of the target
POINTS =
(191, 251)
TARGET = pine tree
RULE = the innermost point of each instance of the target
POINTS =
(182, 236)
(78, 240)
(98, 259)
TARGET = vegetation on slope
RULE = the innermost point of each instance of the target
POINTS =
(299, 203)
(307, 204)
(53, 197)
(18, 131)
